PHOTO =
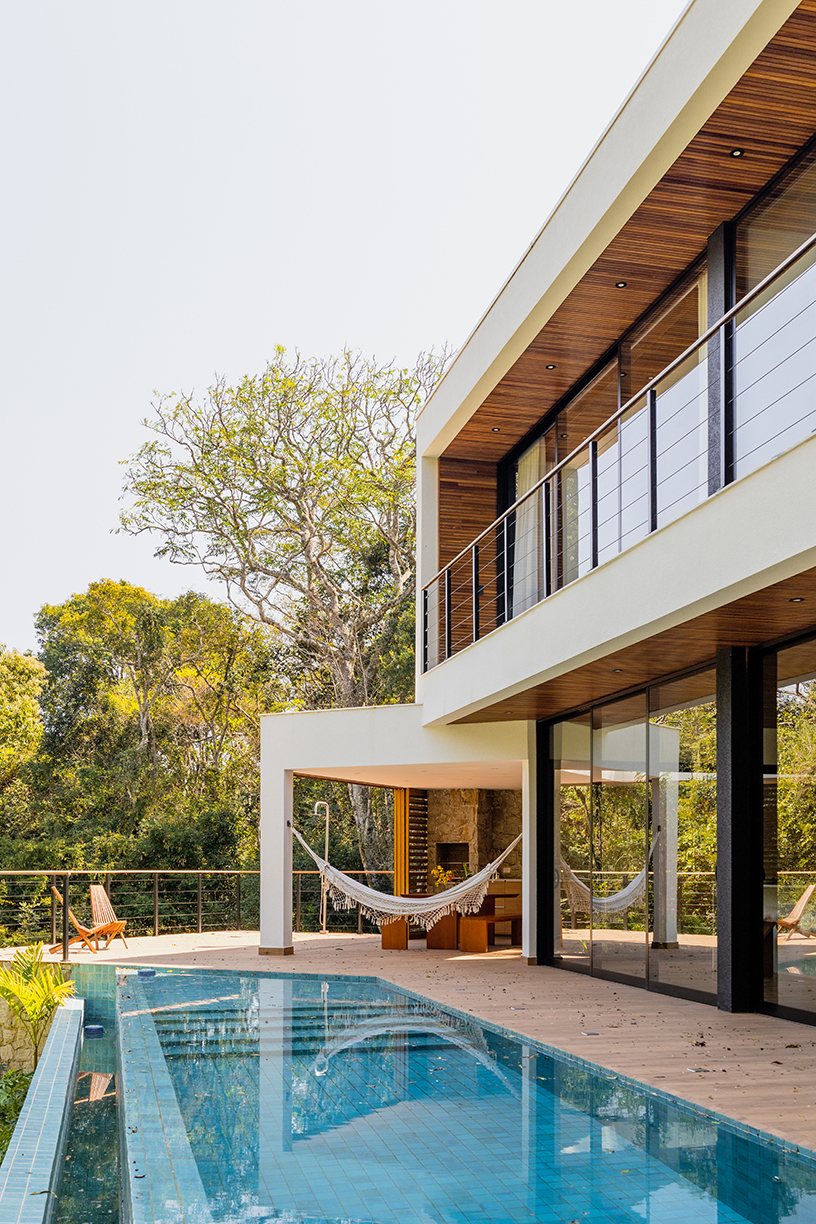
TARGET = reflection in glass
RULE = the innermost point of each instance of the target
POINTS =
(619, 825)
(571, 743)
(683, 768)
(789, 950)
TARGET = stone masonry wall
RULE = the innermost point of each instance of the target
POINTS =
(486, 819)
(15, 1047)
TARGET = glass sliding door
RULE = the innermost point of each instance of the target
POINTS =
(571, 746)
(683, 769)
(620, 819)
(789, 842)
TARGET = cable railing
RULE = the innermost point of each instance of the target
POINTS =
(169, 902)
(737, 397)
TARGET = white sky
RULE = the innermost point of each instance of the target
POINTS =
(187, 183)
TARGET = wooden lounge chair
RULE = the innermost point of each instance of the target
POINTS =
(104, 919)
(791, 923)
(107, 928)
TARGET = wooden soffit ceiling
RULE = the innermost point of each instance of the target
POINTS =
(764, 616)
(770, 113)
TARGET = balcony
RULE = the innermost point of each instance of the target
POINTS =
(741, 395)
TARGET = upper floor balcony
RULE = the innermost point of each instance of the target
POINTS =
(742, 394)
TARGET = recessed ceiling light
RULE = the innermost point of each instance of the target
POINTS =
(797, 599)
(562, 435)
(737, 153)
(620, 284)
(549, 367)
(496, 429)
(617, 670)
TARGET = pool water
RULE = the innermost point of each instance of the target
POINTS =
(342, 1100)
(89, 1190)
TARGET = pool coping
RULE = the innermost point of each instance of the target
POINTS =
(154, 1146)
(36, 1151)
(701, 1111)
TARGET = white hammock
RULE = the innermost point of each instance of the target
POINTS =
(381, 908)
(580, 897)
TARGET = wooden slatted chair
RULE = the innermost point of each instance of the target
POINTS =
(105, 920)
(791, 923)
(86, 934)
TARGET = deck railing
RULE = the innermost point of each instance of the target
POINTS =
(160, 902)
(740, 395)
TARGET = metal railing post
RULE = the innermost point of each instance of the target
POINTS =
(425, 629)
(652, 428)
(593, 504)
(53, 911)
(155, 902)
(297, 911)
(107, 883)
(547, 540)
(238, 901)
(198, 910)
(448, 626)
(359, 919)
(475, 592)
(65, 903)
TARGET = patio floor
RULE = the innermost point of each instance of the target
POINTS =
(755, 1068)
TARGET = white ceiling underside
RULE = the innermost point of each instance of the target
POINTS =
(470, 775)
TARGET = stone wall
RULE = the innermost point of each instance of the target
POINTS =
(486, 819)
(15, 1047)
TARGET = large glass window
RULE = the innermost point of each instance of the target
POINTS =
(571, 747)
(620, 817)
(683, 769)
(775, 337)
(636, 836)
(789, 950)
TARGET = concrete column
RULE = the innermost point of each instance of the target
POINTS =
(276, 853)
(529, 851)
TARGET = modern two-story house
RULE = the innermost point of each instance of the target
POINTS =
(616, 626)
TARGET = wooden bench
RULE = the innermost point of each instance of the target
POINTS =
(474, 929)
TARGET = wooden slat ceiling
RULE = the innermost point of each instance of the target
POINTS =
(764, 616)
(770, 113)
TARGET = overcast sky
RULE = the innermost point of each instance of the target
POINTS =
(187, 183)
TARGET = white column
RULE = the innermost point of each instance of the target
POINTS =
(529, 881)
(276, 850)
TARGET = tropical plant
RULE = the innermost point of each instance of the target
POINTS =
(33, 991)
(13, 1089)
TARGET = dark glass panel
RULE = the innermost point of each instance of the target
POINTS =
(571, 743)
(619, 827)
(682, 767)
(789, 951)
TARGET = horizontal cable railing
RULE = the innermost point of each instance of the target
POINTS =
(740, 395)
(160, 902)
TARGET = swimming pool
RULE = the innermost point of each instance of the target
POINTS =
(307, 1099)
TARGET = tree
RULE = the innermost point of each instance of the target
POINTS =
(21, 680)
(296, 490)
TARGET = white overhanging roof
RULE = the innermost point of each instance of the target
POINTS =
(389, 746)
(705, 54)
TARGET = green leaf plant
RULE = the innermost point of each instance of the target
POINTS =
(33, 991)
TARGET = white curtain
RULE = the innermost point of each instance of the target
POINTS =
(528, 563)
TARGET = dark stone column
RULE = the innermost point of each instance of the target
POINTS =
(739, 829)
(546, 867)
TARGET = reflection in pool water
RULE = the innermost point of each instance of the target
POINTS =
(346, 1101)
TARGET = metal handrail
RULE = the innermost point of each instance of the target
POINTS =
(707, 335)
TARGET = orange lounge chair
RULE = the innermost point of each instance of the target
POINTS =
(86, 934)
(791, 923)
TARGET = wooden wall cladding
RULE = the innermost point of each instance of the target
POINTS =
(467, 504)
(770, 113)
